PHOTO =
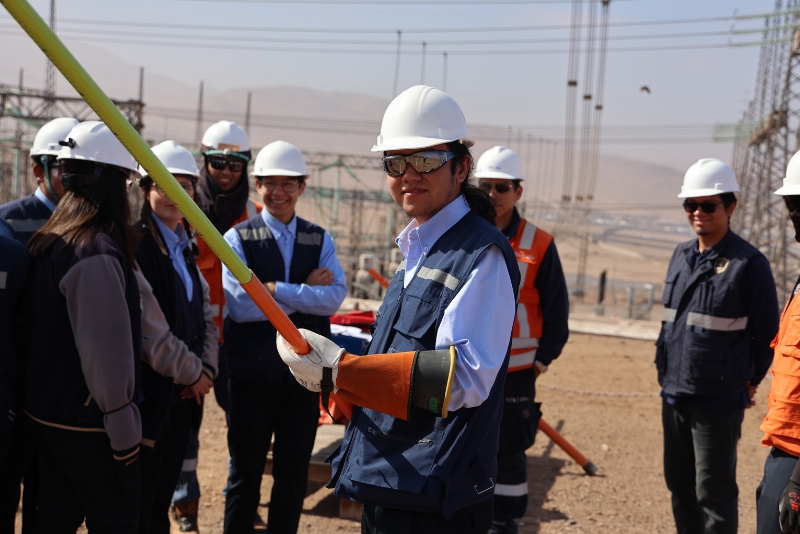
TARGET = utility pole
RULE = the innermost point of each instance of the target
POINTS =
(247, 113)
(199, 130)
(444, 73)
(50, 79)
(422, 77)
(397, 64)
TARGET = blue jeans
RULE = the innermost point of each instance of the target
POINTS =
(777, 470)
(700, 467)
(257, 411)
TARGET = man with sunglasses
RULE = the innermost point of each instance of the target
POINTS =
(778, 495)
(223, 194)
(720, 315)
(296, 260)
(421, 449)
(540, 331)
(19, 220)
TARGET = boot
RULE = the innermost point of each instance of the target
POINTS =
(186, 516)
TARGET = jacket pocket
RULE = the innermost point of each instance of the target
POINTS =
(397, 455)
(669, 286)
(417, 318)
(789, 344)
(705, 355)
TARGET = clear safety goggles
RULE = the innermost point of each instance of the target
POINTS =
(423, 162)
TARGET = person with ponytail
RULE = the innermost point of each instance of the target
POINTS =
(82, 378)
(172, 390)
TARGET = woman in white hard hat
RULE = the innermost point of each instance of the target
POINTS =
(223, 195)
(296, 260)
(82, 379)
(165, 256)
(720, 315)
(421, 449)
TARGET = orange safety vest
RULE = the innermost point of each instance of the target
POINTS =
(782, 423)
(211, 267)
(530, 245)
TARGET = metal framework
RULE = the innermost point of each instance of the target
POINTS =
(760, 161)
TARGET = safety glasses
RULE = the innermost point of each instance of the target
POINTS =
(423, 162)
(220, 164)
(708, 207)
(792, 203)
(500, 187)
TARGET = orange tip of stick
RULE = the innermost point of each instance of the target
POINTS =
(256, 290)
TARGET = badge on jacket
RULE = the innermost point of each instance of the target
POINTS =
(721, 264)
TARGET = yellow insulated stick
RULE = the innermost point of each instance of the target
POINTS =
(54, 49)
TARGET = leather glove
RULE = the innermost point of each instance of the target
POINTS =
(307, 368)
(789, 508)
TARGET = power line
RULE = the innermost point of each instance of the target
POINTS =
(217, 27)
(207, 45)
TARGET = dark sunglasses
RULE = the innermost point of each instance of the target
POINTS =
(221, 163)
(792, 203)
(501, 187)
(708, 207)
(423, 162)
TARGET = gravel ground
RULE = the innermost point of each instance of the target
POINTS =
(621, 434)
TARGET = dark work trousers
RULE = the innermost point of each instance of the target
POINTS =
(188, 488)
(21, 466)
(777, 470)
(700, 467)
(475, 519)
(517, 432)
(257, 411)
(163, 467)
(79, 478)
(221, 391)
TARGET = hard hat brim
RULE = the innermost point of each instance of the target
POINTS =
(496, 175)
(172, 170)
(788, 190)
(132, 167)
(276, 172)
(709, 192)
(405, 143)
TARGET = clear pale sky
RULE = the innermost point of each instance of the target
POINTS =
(698, 87)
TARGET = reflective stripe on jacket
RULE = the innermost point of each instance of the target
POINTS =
(781, 426)
(211, 266)
(530, 245)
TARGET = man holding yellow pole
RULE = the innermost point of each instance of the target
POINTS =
(420, 451)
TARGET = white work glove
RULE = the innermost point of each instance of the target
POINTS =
(307, 368)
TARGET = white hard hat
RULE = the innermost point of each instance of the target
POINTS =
(46, 141)
(499, 163)
(791, 183)
(175, 158)
(708, 177)
(226, 135)
(280, 158)
(422, 117)
(93, 141)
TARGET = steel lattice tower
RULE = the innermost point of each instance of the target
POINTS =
(760, 162)
(50, 79)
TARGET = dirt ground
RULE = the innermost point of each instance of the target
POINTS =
(621, 434)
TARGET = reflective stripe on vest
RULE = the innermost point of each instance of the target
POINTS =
(780, 424)
(436, 275)
(709, 322)
(511, 490)
(530, 245)
(25, 225)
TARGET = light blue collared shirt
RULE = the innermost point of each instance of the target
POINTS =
(5, 229)
(479, 319)
(315, 300)
(176, 243)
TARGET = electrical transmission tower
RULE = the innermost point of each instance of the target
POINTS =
(760, 161)
(578, 188)
(50, 79)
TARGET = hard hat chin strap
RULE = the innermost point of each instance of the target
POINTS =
(47, 179)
